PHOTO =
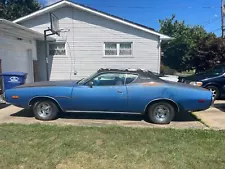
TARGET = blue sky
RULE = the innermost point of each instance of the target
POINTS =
(148, 12)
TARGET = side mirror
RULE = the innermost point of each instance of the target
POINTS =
(90, 84)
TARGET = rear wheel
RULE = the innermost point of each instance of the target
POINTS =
(215, 91)
(161, 113)
(45, 110)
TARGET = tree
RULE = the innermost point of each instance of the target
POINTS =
(176, 52)
(209, 52)
(13, 9)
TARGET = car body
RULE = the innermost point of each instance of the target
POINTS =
(111, 90)
(212, 79)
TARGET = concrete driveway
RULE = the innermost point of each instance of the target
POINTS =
(214, 118)
(13, 114)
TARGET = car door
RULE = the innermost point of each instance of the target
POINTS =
(105, 92)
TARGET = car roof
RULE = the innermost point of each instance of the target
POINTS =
(128, 70)
(141, 72)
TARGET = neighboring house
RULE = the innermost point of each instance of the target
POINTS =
(90, 40)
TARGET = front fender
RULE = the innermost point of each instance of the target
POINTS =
(212, 84)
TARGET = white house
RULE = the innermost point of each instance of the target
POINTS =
(89, 40)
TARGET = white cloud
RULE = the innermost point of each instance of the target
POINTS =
(49, 2)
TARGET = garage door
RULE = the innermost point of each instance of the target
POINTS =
(17, 61)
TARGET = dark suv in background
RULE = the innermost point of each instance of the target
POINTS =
(212, 79)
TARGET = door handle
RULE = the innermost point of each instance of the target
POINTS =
(119, 91)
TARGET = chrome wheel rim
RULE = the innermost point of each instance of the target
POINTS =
(213, 91)
(161, 112)
(44, 109)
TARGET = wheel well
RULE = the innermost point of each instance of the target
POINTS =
(36, 99)
(214, 85)
(172, 103)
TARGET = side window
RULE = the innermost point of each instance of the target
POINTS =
(218, 70)
(131, 78)
(109, 79)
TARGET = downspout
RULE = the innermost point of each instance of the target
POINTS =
(159, 53)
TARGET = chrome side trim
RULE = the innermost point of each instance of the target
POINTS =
(66, 97)
(107, 112)
(162, 99)
(48, 97)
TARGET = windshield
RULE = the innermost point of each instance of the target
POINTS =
(218, 70)
(84, 80)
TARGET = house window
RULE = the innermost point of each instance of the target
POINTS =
(57, 49)
(125, 49)
(110, 49)
(118, 49)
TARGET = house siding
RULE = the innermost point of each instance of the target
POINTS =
(85, 44)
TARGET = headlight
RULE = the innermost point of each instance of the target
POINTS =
(196, 83)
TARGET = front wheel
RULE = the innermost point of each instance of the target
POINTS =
(161, 113)
(45, 110)
(215, 92)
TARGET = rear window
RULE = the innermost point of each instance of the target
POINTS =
(131, 78)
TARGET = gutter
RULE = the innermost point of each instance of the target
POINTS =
(166, 38)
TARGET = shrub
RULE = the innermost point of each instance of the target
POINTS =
(166, 70)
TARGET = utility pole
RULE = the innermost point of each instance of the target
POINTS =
(222, 17)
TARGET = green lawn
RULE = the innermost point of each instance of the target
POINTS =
(44, 146)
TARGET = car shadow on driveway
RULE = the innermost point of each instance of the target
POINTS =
(2, 106)
(181, 117)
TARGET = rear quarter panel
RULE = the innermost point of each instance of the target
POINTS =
(187, 98)
(60, 93)
(190, 99)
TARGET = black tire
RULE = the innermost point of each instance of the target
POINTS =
(154, 114)
(50, 113)
(215, 91)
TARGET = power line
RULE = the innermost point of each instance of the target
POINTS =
(211, 21)
(216, 30)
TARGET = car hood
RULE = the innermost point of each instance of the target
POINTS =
(49, 83)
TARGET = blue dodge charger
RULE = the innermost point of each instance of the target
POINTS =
(111, 90)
